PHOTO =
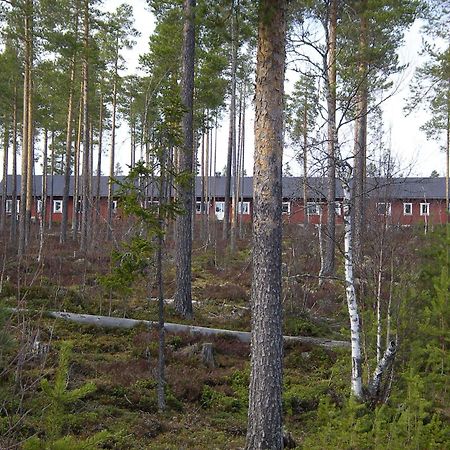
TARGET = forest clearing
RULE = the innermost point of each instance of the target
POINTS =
(164, 285)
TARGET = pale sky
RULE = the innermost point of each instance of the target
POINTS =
(418, 157)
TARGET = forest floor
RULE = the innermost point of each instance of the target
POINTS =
(206, 407)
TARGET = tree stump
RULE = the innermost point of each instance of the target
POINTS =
(207, 355)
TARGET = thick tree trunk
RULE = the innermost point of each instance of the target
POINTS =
(264, 429)
(330, 231)
(356, 384)
(183, 242)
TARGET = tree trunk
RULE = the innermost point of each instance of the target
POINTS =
(356, 384)
(5, 175)
(76, 187)
(264, 429)
(305, 163)
(23, 222)
(360, 137)
(68, 155)
(52, 173)
(43, 211)
(183, 242)
(330, 231)
(159, 276)
(242, 163)
(85, 222)
(232, 128)
(13, 233)
(113, 148)
(99, 157)
(236, 155)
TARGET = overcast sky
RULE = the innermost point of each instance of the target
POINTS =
(417, 156)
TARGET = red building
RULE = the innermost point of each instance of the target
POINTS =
(399, 201)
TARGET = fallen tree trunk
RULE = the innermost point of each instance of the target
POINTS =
(243, 336)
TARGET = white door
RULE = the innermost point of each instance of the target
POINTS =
(220, 210)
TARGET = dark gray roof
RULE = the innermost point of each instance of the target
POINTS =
(55, 185)
(400, 188)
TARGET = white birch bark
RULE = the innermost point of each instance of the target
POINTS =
(356, 384)
(382, 366)
(379, 284)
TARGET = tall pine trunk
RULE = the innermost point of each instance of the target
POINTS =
(68, 157)
(13, 232)
(360, 136)
(232, 128)
(5, 175)
(264, 429)
(99, 157)
(24, 217)
(330, 231)
(113, 147)
(183, 225)
(42, 216)
(85, 218)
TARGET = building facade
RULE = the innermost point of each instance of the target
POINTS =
(397, 201)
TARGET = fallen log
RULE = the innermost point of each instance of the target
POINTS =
(243, 336)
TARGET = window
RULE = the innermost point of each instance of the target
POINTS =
(57, 206)
(424, 209)
(200, 208)
(338, 209)
(39, 206)
(114, 205)
(407, 209)
(244, 208)
(312, 209)
(220, 207)
(384, 209)
(286, 208)
(8, 208)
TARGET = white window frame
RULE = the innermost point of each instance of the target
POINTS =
(338, 208)
(8, 206)
(387, 208)
(244, 208)
(221, 205)
(199, 207)
(114, 205)
(313, 209)
(427, 206)
(288, 209)
(57, 210)
(406, 205)
(39, 206)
